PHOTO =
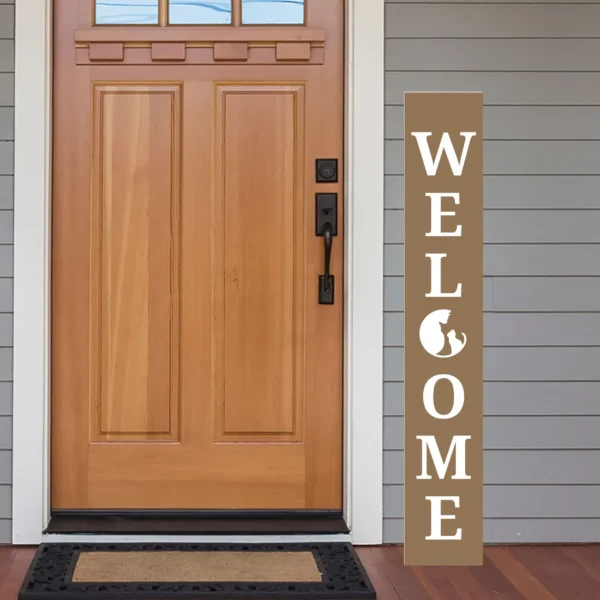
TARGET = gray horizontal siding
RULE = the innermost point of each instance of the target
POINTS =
(5, 502)
(7, 56)
(5, 433)
(492, 54)
(7, 123)
(7, 21)
(490, 20)
(546, 294)
(6, 191)
(503, 88)
(6, 157)
(6, 261)
(5, 400)
(7, 135)
(537, 66)
(7, 89)
(5, 467)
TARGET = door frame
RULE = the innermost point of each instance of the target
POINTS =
(363, 318)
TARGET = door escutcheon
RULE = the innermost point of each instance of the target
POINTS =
(326, 227)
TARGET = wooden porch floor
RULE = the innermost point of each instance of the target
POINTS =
(509, 573)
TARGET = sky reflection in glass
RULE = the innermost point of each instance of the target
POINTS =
(126, 12)
(273, 12)
(200, 12)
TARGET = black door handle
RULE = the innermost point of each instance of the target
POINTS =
(326, 281)
(326, 226)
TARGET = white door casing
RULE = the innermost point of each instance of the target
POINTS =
(363, 327)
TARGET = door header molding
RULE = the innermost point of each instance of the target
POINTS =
(200, 34)
(363, 333)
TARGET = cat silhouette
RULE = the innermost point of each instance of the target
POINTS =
(438, 337)
(455, 344)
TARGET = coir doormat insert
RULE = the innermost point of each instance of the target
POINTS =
(196, 571)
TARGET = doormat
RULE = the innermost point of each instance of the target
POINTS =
(196, 571)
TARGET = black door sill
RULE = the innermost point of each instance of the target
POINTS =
(197, 523)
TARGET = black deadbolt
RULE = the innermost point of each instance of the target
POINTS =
(327, 170)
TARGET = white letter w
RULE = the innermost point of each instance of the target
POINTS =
(445, 146)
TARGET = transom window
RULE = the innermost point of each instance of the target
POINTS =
(199, 12)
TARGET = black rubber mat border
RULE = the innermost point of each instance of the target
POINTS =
(344, 577)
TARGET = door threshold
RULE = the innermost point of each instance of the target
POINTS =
(86, 538)
(221, 523)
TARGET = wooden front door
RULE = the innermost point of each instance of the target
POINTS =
(193, 366)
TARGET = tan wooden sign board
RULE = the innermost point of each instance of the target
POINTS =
(443, 328)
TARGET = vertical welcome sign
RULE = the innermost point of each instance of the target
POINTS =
(443, 494)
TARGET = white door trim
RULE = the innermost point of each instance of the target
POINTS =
(363, 330)
(31, 353)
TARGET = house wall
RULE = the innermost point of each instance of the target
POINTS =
(537, 66)
(7, 111)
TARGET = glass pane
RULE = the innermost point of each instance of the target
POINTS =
(200, 12)
(126, 12)
(273, 12)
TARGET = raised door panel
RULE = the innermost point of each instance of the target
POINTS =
(135, 263)
(259, 220)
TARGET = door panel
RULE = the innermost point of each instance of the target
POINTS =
(260, 222)
(192, 365)
(135, 263)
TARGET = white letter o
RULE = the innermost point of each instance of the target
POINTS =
(429, 401)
